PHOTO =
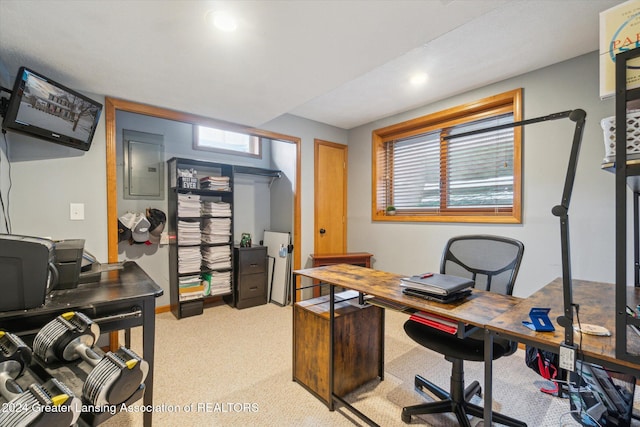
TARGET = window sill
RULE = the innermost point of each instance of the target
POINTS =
(506, 218)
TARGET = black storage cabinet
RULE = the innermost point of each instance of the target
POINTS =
(250, 276)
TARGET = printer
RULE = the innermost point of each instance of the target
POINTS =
(27, 270)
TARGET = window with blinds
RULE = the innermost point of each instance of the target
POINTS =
(429, 174)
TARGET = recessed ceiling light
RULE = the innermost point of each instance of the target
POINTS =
(418, 79)
(222, 20)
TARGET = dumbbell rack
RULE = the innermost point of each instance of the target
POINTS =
(119, 300)
(74, 375)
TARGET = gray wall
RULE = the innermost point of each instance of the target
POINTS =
(307, 131)
(284, 159)
(416, 247)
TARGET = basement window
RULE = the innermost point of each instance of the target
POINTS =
(428, 174)
(225, 141)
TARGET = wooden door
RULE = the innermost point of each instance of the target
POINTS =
(330, 216)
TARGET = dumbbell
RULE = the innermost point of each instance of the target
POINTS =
(50, 404)
(115, 376)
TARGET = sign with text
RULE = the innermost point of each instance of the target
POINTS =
(619, 32)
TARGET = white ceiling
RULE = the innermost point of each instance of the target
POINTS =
(344, 63)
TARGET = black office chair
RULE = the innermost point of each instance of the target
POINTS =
(493, 263)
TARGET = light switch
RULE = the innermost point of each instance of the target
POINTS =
(76, 211)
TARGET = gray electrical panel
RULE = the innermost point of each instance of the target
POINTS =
(143, 165)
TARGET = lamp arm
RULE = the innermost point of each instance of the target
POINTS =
(561, 210)
(554, 116)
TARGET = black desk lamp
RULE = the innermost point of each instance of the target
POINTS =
(561, 210)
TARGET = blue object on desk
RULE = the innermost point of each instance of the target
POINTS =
(539, 320)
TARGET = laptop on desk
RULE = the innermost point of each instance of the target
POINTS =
(437, 284)
(445, 299)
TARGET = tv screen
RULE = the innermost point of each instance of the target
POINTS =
(45, 109)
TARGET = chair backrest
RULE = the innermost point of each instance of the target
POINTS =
(491, 261)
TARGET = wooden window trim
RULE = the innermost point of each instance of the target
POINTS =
(510, 101)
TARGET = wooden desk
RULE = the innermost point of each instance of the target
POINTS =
(122, 299)
(476, 310)
(597, 306)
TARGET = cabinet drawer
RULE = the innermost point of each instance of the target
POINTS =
(252, 286)
(252, 261)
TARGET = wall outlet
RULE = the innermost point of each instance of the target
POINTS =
(76, 211)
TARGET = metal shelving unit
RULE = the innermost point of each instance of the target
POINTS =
(627, 174)
(180, 307)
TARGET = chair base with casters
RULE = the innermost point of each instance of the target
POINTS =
(456, 401)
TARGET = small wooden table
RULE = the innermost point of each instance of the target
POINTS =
(354, 258)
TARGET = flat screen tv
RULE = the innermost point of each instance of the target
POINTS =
(45, 109)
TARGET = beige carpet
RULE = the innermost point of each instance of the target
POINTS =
(233, 367)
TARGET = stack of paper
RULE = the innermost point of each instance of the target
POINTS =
(188, 232)
(189, 260)
(217, 257)
(188, 205)
(216, 230)
(190, 287)
(217, 282)
(217, 183)
(217, 209)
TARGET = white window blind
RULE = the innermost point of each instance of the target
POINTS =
(480, 166)
(416, 172)
(426, 172)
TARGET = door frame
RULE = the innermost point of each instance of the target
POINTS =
(113, 104)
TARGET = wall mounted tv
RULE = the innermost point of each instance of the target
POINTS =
(42, 108)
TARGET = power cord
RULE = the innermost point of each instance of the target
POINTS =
(5, 211)
(579, 356)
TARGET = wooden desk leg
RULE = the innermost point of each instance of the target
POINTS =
(488, 377)
(148, 339)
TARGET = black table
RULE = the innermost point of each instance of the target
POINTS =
(121, 299)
